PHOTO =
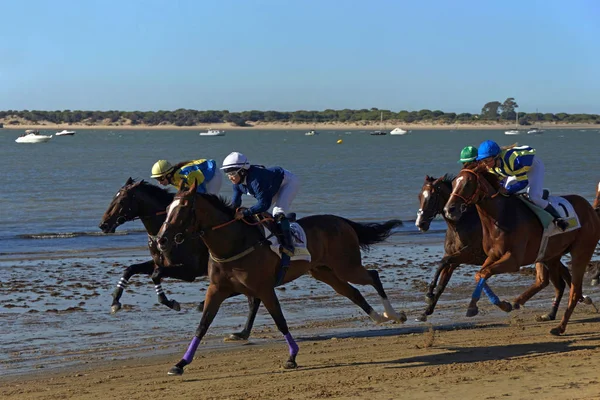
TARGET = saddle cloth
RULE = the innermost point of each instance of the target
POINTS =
(301, 252)
(565, 210)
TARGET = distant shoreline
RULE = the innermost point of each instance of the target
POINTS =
(303, 126)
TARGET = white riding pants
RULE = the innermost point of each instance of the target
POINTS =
(287, 193)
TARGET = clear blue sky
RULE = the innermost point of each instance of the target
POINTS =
(304, 54)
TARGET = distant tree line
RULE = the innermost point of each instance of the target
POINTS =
(493, 111)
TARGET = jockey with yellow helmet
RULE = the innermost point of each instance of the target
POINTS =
(272, 186)
(205, 172)
(522, 169)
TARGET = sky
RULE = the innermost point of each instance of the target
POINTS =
(145, 55)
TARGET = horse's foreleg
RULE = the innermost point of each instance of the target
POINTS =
(491, 267)
(271, 303)
(213, 301)
(253, 304)
(134, 269)
(446, 274)
(162, 297)
(429, 296)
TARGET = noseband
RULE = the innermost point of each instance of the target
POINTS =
(479, 189)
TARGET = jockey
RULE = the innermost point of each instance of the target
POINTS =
(270, 186)
(468, 155)
(522, 169)
(204, 172)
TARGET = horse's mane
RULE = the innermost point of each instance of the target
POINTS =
(160, 194)
(220, 202)
(493, 179)
(447, 179)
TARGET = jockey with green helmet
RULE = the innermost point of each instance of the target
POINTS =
(272, 186)
(468, 155)
(522, 169)
(204, 172)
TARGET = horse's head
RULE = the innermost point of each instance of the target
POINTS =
(121, 209)
(432, 197)
(470, 186)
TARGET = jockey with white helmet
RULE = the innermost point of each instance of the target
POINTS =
(272, 186)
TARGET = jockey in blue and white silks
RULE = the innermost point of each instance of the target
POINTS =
(522, 169)
(204, 172)
(273, 186)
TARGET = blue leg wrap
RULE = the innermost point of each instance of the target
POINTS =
(491, 295)
(477, 292)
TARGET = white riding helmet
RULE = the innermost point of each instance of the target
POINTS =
(235, 160)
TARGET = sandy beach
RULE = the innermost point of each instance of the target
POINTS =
(388, 125)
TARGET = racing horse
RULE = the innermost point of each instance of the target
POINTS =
(512, 235)
(241, 260)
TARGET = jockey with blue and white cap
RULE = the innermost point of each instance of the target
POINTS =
(523, 169)
(272, 186)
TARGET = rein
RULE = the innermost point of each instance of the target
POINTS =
(478, 189)
(260, 221)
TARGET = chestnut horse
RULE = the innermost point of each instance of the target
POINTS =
(148, 203)
(512, 236)
(241, 261)
(464, 245)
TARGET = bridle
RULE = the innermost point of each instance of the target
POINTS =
(479, 189)
(433, 190)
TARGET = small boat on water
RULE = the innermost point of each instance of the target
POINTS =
(32, 136)
(213, 132)
(398, 131)
(379, 133)
(535, 131)
(64, 132)
(311, 133)
(512, 132)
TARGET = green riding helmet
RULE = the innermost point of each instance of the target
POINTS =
(468, 154)
(161, 168)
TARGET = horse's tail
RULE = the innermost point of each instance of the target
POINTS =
(371, 233)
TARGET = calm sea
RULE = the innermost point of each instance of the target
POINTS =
(57, 270)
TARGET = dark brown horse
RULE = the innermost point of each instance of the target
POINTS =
(241, 262)
(464, 245)
(512, 236)
(148, 203)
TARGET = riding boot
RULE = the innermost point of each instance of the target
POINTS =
(286, 245)
(561, 223)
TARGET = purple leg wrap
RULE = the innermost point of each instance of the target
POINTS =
(189, 354)
(291, 344)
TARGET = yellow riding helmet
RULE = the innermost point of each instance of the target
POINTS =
(160, 168)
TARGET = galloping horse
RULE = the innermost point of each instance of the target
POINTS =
(148, 203)
(512, 236)
(240, 261)
(464, 245)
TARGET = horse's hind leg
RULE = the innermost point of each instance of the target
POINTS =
(134, 269)
(253, 304)
(272, 305)
(389, 313)
(327, 276)
(541, 281)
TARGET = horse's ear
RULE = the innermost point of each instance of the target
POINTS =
(427, 177)
(129, 181)
(182, 186)
(194, 186)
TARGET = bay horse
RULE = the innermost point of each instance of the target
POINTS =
(148, 203)
(512, 235)
(463, 244)
(241, 260)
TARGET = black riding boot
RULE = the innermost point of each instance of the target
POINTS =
(286, 245)
(561, 223)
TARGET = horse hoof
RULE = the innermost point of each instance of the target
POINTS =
(516, 306)
(398, 317)
(115, 308)
(290, 365)
(175, 371)
(595, 281)
(175, 305)
(236, 337)
(505, 306)
(587, 300)
(545, 317)
(421, 318)
(555, 331)
(472, 311)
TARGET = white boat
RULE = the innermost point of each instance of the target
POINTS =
(516, 130)
(32, 136)
(64, 132)
(535, 131)
(311, 133)
(398, 131)
(213, 132)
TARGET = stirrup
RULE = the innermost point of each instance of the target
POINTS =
(561, 224)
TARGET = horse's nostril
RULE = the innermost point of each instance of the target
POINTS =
(103, 226)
